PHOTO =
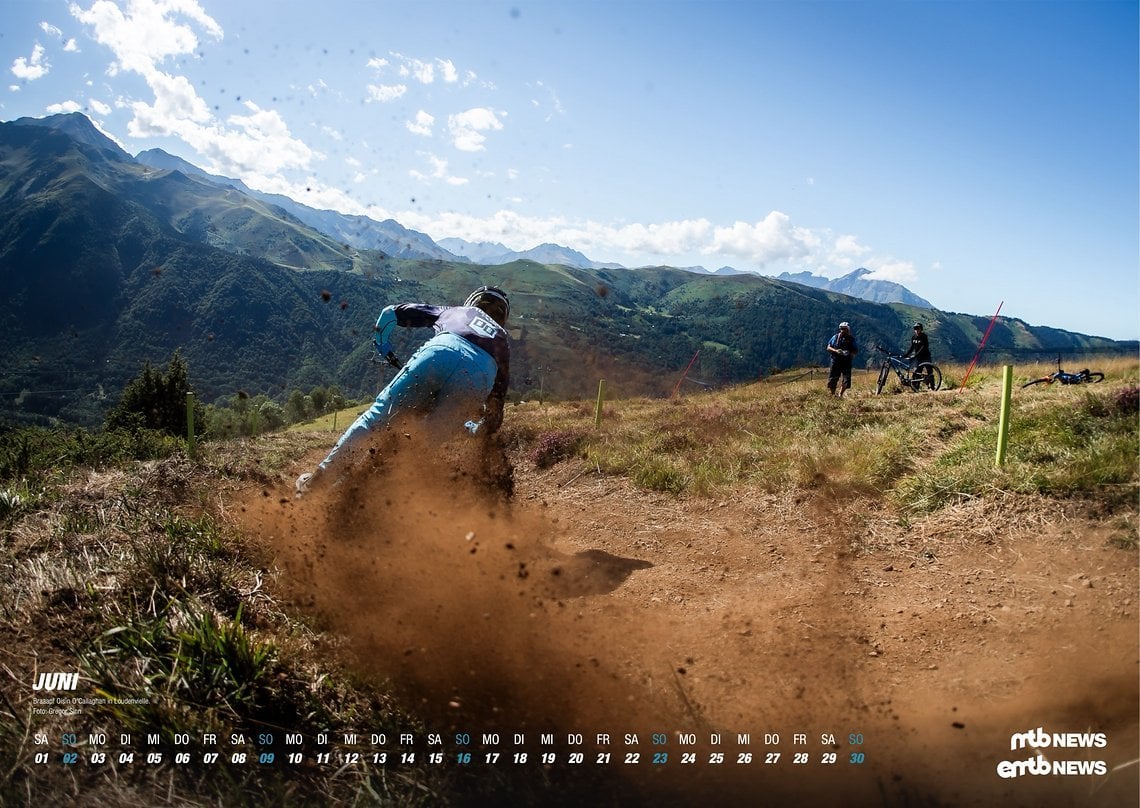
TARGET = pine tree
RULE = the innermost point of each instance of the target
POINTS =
(155, 400)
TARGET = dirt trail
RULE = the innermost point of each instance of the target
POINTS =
(584, 606)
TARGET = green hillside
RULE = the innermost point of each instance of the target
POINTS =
(107, 264)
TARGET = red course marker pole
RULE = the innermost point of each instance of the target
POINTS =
(985, 337)
(686, 373)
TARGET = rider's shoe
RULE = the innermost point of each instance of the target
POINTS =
(305, 483)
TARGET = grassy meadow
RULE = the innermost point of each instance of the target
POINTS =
(119, 559)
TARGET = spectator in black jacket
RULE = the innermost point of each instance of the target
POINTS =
(842, 348)
(919, 349)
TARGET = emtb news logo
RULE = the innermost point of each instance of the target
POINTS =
(56, 681)
(1039, 740)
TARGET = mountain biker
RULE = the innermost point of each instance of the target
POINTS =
(842, 348)
(919, 349)
(465, 366)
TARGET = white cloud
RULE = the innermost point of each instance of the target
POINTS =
(66, 106)
(849, 245)
(71, 46)
(176, 104)
(99, 107)
(467, 128)
(254, 146)
(773, 239)
(423, 72)
(773, 242)
(668, 238)
(386, 92)
(889, 269)
(50, 29)
(261, 143)
(421, 125)
(148, 33)
(33, 67)
(311, 192)
(450, 74)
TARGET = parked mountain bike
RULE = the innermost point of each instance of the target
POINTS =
(1084, 376)
(924, 376)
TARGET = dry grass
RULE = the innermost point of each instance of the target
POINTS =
(920, 450)
(132, 571)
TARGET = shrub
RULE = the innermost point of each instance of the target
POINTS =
(553, 447)
(1127, 400)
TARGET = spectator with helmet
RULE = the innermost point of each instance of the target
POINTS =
(462, 371)
(842, 348)
(919, 349)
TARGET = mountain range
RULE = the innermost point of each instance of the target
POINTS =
(392, 238)
(857, 284)
(109, 261)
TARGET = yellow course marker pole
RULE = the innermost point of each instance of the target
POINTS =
(1003, 420)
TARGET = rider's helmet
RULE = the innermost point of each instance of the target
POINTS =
(844, 327)
(492, 300)
(918, 326)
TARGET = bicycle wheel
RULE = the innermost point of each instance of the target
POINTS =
(927, 376)
(884, 374)
(1042, 380)
(1093, 378)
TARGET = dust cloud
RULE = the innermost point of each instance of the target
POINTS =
(456, 594)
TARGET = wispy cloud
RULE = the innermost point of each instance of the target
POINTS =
(386, 92)
(421, 70)
(439, 171)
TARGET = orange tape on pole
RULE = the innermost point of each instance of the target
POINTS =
(985, 337)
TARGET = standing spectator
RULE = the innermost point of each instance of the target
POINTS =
(842, 348)
(919, 349)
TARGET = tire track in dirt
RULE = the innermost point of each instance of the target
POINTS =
(584, 606)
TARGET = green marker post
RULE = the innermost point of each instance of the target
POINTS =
(190, 423)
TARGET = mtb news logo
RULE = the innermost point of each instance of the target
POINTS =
(1039, 740)
(56, 681)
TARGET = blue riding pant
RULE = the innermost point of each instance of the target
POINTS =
(448, 377)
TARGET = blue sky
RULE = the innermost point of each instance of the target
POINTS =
(977, 152)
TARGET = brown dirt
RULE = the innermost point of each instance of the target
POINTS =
(582, 605)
